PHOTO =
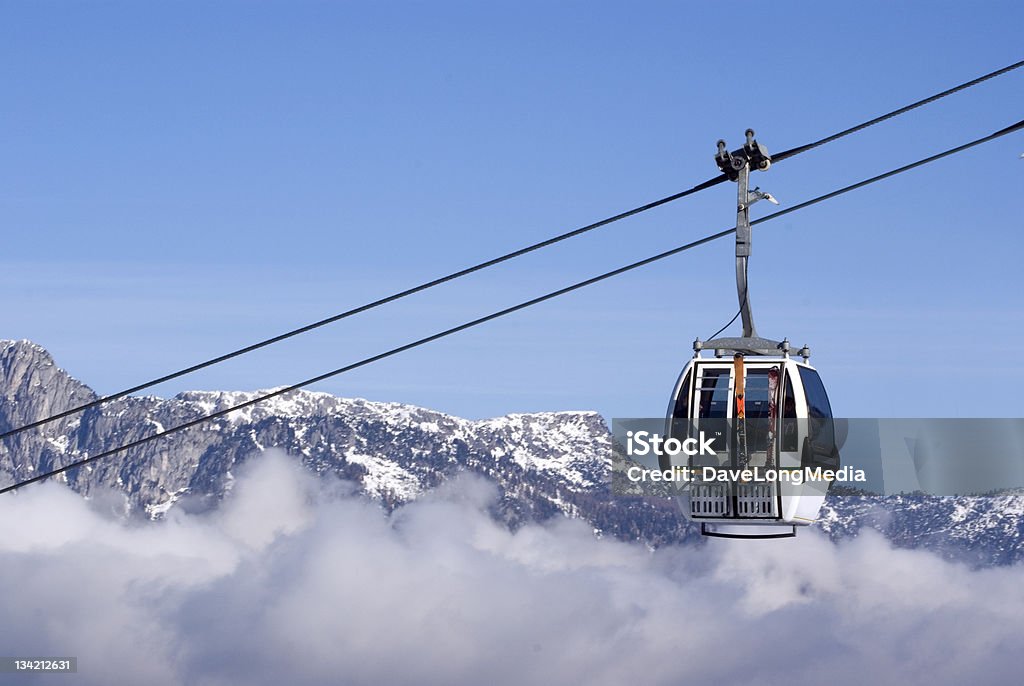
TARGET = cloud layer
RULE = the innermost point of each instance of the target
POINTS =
(296, 581)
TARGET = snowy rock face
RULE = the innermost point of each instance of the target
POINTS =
(544, 465)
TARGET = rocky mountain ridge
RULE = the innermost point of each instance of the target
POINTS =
(544, 464)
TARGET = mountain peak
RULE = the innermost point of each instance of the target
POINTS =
(32, 386)
(23, 347)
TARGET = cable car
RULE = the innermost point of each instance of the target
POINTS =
(733, 400)
(764, 412)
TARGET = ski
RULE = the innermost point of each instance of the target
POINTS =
(740, 418)
(773, 414)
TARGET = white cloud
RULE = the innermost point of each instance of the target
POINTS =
(294, 582)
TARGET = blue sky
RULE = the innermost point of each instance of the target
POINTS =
(181, 179)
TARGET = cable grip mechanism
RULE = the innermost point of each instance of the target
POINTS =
(736, 166)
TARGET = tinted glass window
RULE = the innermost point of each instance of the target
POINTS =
(682, 408)
(817, 399)
(820, 451)
(755, 399)
(789, 400)
(789, 423)
(714, 393)
(756, 405)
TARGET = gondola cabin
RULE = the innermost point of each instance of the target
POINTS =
(763, 417)
(768, 415)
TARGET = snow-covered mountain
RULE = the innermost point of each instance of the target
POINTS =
(544, 465)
